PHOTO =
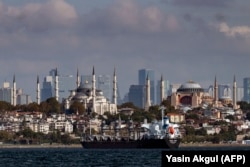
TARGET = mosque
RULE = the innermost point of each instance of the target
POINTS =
(191, 94)
(92, 99)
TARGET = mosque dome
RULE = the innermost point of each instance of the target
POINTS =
(190, 86)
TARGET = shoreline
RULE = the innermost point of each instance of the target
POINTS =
(40, 146)
(2, 146)
(213, 145)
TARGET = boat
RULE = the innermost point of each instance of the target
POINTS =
(158, 134)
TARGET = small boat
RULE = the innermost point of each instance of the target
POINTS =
(158, 134)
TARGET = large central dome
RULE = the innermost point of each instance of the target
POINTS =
(190, 86)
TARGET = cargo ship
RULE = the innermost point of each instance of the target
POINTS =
(155, 135)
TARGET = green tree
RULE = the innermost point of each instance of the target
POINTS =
(5, 106)
(54, 105)
(77, 107)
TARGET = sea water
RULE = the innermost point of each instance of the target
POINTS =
(77, 157)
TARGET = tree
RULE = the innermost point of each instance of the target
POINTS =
(5, 106)
(77, 107)
(54, 105)
(33, 107)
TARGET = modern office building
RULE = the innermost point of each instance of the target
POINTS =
(240, 93)
(136, 95)
(246, 86)
(6, 93)
(22, 99)
(143, 73)
(224, 90)
(47, 88)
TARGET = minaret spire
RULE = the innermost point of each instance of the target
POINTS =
(38, 90)
(56, 86)
(77, 78)
(162, 89)
(148, 104)
(215, 92)
(234, 94)
(114, 88)
(14, 90)
(93, 90)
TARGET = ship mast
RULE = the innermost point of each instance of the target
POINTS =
(162, 108)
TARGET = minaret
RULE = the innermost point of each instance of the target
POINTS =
(38, 90)
(14, 90)
(147, 105)
(215, 92)
(234, 94)
(114, 88)
(162, 89)
(93, 89)
(77, 79)
(56, 86)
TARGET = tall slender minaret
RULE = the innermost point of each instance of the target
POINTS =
(114, 88)
(162, 89)
(215, 92)
(14, 90)
(234, 94)
(93, 90)
(56, 86)
(37, 91)
(147, 104)
(77, 79)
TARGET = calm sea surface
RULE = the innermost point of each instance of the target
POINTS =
(71, 157)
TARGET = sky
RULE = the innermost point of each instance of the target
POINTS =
(179, 39)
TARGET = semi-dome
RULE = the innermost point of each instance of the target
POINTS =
(190, 86)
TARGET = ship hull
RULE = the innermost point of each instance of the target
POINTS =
(138, 144)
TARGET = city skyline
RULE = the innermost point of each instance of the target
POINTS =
(63, 93)
(181, 40)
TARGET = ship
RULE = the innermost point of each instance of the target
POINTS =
(156, 135)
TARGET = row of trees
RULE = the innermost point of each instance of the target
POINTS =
(27, 136)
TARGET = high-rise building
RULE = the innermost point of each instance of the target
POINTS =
(6, 93)
(22, 99)
(136, 95)
(166, 89)
(246, 86)
(240, 94)
(47, 88)
(142, 77)
(224, 91)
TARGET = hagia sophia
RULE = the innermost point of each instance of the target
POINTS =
(193, 95)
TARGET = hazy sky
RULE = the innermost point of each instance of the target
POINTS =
(179, 39)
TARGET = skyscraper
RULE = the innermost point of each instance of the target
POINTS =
(6, 93)
(143, 73)
(47, 89)
(136, 95)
